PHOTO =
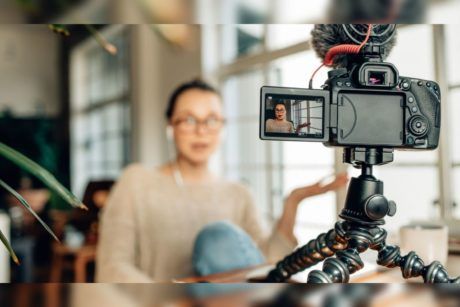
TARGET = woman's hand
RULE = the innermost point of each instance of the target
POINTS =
(297, 195)
(299, 127)
(287, 220)
(304, 125)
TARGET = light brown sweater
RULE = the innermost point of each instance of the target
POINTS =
(149, 225)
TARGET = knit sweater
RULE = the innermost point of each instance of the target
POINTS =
(149, 225)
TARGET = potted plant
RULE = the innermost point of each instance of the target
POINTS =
(43, 175)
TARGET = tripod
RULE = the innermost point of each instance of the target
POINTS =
(365, 208)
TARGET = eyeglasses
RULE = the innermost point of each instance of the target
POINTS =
(190, 124)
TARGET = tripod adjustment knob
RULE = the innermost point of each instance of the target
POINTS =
(377, 206)
(391, 208)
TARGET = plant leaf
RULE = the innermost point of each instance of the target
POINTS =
(8, 247)
(46, 177)
(101, 40)
(59, 29)
(27, 206)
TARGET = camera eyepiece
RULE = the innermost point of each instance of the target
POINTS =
(378, 75)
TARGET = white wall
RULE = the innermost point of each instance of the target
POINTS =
(4, 256)
(158, 68)
(29, 82)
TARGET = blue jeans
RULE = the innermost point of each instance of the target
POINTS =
(222, 246)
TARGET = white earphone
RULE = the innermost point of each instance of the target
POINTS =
(169, 133)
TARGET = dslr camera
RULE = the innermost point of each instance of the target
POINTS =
(363, 103)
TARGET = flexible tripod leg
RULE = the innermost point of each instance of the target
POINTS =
(346, 262)
(412, 266)
(315, 251)
(364, 210)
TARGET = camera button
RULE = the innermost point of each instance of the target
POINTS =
(418, 126)
(348, 84)
(410, 140)
(414, 109)
(339, 83)
(411, 99)
(405, 85)
(428, 84)
(420, 83)
(420, 142)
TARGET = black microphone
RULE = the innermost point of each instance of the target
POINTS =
(326, 36)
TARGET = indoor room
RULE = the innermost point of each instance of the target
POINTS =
(89, 103)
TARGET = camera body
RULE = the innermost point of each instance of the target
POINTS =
(369, 105)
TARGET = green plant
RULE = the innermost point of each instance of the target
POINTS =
(64, 31)
(43, 175)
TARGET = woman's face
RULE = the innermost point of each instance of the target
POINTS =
(280, 112)
(197, 121)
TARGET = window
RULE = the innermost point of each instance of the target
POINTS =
(455, 143)
(453, 67)
(100, 110)
(305, 163)
(275, 168)
(246, 157)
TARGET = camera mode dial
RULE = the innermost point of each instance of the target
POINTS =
(418, 125)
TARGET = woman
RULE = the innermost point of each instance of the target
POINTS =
(166, 223)
(280, 124)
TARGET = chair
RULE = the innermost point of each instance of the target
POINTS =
(80, 258)
(77, 259)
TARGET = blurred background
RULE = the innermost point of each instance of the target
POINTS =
(84, 111)
(227, 11)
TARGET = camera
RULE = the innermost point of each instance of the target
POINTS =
(363, 103)
(367, 108)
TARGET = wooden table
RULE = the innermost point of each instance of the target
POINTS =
(405, 295)
(381, 275)
(240, 276)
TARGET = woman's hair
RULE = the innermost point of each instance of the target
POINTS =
(92, 188)
(195, 84)
(83, 220)
(279, 103)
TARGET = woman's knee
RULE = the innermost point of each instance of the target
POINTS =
(223, 246)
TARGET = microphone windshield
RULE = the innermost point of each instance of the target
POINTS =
(326, 36)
